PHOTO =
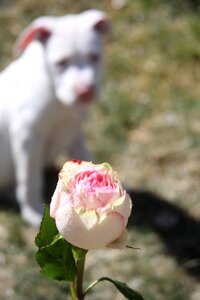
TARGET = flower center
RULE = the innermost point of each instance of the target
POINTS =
(94, 189)
(93, 180)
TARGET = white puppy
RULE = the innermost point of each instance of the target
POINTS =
(44, 95)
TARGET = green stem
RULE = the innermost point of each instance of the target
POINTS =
(79, 279)
(73, 291)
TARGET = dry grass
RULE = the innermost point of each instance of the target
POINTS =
(147, 125)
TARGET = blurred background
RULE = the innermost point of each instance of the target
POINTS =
(147, 126)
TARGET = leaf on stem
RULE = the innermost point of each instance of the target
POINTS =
(122, 287)
(54, 256)
(57, 261)
(47, 231)
(78, 253)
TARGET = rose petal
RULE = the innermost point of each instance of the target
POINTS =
(55, 201)
(121, 242)
(89, 218)
(123, 206)
(73, 228)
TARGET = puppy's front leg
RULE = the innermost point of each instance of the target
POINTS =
(27, 149)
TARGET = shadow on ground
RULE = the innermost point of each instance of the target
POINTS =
(179, 232)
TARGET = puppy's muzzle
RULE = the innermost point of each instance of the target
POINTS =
(86, 93)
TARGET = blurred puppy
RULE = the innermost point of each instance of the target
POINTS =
(44, 95)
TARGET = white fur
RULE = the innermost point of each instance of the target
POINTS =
(42, 102)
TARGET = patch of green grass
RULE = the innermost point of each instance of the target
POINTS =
(185, 103)
(120, 114)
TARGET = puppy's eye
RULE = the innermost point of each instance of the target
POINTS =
(63, 63)
(94, 58)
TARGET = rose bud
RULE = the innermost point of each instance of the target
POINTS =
(90, 206)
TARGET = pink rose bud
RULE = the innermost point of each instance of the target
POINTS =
(90, 207)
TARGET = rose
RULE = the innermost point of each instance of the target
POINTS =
(90, 207)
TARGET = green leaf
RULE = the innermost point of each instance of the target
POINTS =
(78, 253)
(107, 166)
(122, 287)
(54, 255)
(48, 230)
(56, 260)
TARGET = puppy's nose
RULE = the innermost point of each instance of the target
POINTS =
(85, 93)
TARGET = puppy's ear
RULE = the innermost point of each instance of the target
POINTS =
(40, 34)
(40, 30)
(102, 25)
(97, 19)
